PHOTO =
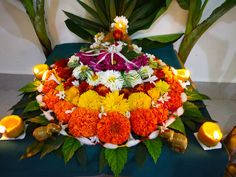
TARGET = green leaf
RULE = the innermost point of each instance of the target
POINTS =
(130, 8)
(30, 87)
(178, 125)
(24, 101)
(107, 6)
(191, 110)
(141, 154)
(184, 4)
(191, 125)
(75, 28)
(100, 11)
(154, 148)
(102, 160)
(27, 115)
(32, 150)
(165, 38)
(116, 159)
(38, 120)
(70, 146)
(31, 106)
(194, 95)
(29, 7)
(82, 156)
(112, 9)
(52, 145)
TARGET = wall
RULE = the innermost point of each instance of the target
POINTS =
(213, 58)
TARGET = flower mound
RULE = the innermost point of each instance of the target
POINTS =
(63, 111)
(113, 128)
(83, 122)
(143, 122)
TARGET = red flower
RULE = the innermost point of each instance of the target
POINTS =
(143, 122)
(101, 90)
(113, 128)
(61, 63)
(60, 109)
(159, 74)
(64, 73)
(83, 122)
(84, 86)
(68, 83)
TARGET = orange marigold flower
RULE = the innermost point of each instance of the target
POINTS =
(83, 122)
(175, 85)
(50, 99)
(143, 122)
(174, 102)
(113, 128)
(48, 85)
(61, 108)
(161, 113)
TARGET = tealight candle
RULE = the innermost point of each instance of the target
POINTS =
(39, 69)
(183, 74)
(210, 134)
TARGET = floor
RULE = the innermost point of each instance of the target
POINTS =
(222, 107)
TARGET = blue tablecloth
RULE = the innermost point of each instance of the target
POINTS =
(195, 162)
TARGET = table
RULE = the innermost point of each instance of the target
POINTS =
(195, 162)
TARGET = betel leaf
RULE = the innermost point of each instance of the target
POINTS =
(154, 148)
(194, 95)
(32, 150)
(30, 87)
(141, 154)
(116, 159)
(52, 145)
(191, 110)
(38, 120)
(178, 125)
(102, 160)
(31, 106)
(70, 146)
(82, 156)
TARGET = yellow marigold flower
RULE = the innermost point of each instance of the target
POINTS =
(75, 100)
(90, 99)
(154, 93)
(115, 102)
(60, 87)
(168, 72)
(139, 100)
(71, 93)
(162, 86)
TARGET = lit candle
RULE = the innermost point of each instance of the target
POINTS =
(210, 134)
(183, 74)
(39, 69)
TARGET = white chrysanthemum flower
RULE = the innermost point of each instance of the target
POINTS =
(132, 78)
(81, 72)
(145, 72)
(61, 95)
(112, 79)
(150, 56)
(75, 83)
(136, 48)
(73, 61)
(93, 79)
(120, 22)
(99, 37)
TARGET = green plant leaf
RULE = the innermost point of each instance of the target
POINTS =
(191, 110)
(30, 87)
(52, 145)
(178, 125)
(154, 148)
(191, 125)
(82, 156)
(75, 28)
(27, 115)
(130, 7)
(116, 159)
(88, 24)
(184, 4)
(112, 9)
(107, 6)
(70, 146)
(24, 101)
(31, 106)
(29, 7)
(166, 38)
(102, 160)
(38, 120)
(194, 95)
(141, 154)
(101, 13)
(32, 150)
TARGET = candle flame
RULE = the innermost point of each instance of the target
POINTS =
(2, 129)
(216, 135)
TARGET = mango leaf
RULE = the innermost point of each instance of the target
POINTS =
(102, 160)
(82, 156)
(32, 150)
(178, 125)
(112, 9)
(30, 87)
(154, 148)
(52, 145)
(129, 9)
(101, 13)
(141, 154)
(165, 38)
(191, 110)
(107, 7)
(194, 95)
(31, 106)
(38, 120)
(116, 159)
(70, 146)
(75, 28)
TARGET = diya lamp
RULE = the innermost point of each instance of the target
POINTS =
(39, 70)
(210, 134)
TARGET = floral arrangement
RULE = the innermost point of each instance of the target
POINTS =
(110, 94)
